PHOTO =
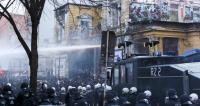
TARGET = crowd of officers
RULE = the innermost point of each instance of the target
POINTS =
(97, 95)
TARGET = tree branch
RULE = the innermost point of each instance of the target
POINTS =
(41, 7)
(4, 15)
(7, 15)
(7, 6)
(25, 4)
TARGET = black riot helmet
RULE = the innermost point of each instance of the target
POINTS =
(24, 85)
(172, 94)
(51, 91)
(7, 87)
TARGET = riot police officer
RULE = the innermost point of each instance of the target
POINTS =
(89, 95)
(23, 94)
(52, 96)
(132, 96)
(2, 100)
(171, 99)
(32, 100)
(45, 101)
(78, 99)
(148, 94)
(62, 95)
(99, 94)
(194, 99)
(124, 98)
(185, 100)
(42, 94)
(111, 99)
(8, 95)
(69, 98)
(142, 100)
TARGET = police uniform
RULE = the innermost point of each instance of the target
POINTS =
(172, 99)
(124, 100)
(132, 99)
(8, 95)
(53, 97)
(67, 99)
(42, 93)
(2, 100)
(111, 99)
(32, 101)
(142, 100)
(90, 97)
(185, 100)
(78, 100)
(22, 96)
(10, 98)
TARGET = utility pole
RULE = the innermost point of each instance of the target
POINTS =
(59, 67)
(94, 72)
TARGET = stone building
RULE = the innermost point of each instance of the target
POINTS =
(79, 24)
(175, 38)
(77, 21)
(173, 23)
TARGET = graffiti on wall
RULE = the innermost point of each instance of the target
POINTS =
(163, 12)
(141, 12)
(196, 14)
(192, 14)
(188, 13)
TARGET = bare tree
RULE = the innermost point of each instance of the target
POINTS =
(34, 8)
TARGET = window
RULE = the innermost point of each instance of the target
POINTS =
(150, 1)
(116, 76)
(196, 14)
(170, 46)
(165, 11)
(118, 55)
(123, 74)
(174, 6)
(60, 19)
(174, 12)
(85, 26)
(188, 13)
(129, 71)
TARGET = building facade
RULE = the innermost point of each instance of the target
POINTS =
(174, 38)
(79, 24)
(9, 44)
(75, 22)
(161, 20)
(8, 36)
(163, 10)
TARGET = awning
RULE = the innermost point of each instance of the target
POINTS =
(192, 68)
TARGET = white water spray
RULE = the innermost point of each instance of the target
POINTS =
(66, 48)
(47, 50)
